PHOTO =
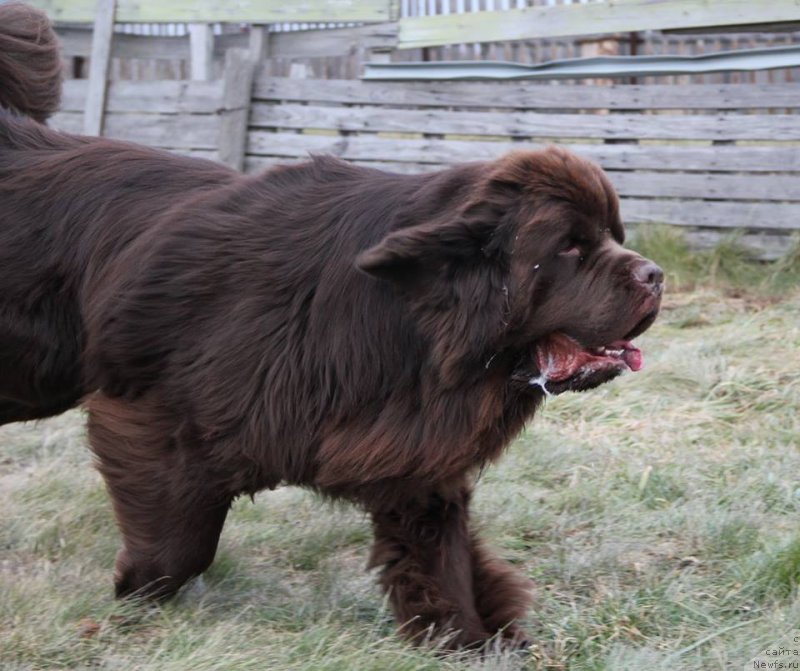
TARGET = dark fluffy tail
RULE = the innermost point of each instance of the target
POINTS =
(30, 62)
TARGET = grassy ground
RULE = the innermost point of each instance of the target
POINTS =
(658, 516)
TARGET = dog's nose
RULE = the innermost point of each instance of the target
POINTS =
(649, 274)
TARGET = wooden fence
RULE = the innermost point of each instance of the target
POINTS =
(710, 158)
(703, 157)
(341, 53)
(522, 31)
(207, 119)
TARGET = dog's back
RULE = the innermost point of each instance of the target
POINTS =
(30, 85)
(69, 205)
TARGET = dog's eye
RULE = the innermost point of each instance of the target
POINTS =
(572, 249)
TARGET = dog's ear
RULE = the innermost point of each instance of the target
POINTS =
(425, 246)
(477, 230)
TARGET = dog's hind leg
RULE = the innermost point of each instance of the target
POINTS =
(169, 507)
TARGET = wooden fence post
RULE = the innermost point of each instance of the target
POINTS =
(98, 70)
(238, 84)
(201, 50)
(259, 43)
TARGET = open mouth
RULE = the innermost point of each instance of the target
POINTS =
(566, 365)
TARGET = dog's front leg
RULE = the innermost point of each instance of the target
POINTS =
(425, 549)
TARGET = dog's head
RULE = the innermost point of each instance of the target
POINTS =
(526, 265)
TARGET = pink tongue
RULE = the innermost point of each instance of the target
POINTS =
(632, 356)
(634, 359)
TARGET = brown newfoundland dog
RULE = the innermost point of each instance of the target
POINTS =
(372, 336)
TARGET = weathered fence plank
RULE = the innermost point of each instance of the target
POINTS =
(201, 47)
(708, 187)
(522, 124)
(152, 97)
(172, 131)
(334, 42)
(98, 71)
(520, 95)
(729, 215)
(437, 152)
(235, 107)
(211, 11)
(258, 43)
(590, 19)
(76, 41)
(186, 131)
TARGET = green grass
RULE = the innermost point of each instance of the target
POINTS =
(659, 517)
(726, 266)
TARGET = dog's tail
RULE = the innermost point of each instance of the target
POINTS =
(30, 62)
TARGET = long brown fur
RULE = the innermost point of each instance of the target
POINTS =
(30, 63)
(364, 334)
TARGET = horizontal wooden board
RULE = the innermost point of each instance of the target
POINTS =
(255, 164)
(708, 186)
(332, 42)
(155, 130)
(731, 215)
(209, 11)
(611, 156)
(77, 41)
(526, 95)
(529, 124)
(169, 132)
(745, 187)
(152, 97)
(590, 19)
